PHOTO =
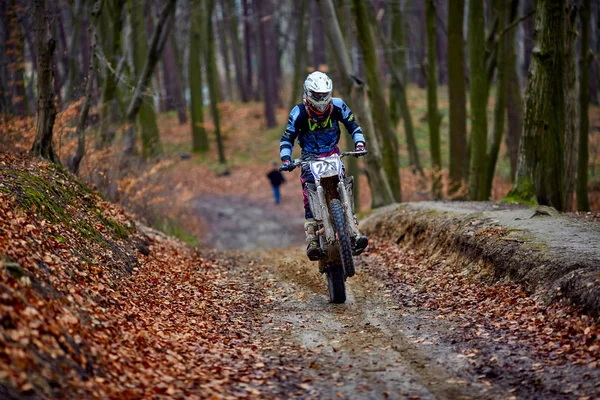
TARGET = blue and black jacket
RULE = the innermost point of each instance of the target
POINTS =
(316, 138)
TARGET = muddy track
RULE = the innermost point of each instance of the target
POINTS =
(381, 343)
(362, 347)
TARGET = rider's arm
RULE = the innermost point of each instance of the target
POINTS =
(286, 144)
(349, 122)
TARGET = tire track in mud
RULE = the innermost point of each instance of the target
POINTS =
(378, 344)
(363, 348)
(360, 348)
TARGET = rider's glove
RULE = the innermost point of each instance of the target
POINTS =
(360, 146)
(287, 162)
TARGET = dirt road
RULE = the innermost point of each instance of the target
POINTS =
(388, 341)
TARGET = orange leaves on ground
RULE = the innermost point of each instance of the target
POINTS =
(102, 316)
(499, 312)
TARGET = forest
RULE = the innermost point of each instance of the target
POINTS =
(473, 100)
(146, 252)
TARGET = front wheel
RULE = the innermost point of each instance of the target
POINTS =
(339, 224)
(336, 284)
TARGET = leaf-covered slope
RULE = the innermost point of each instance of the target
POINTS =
(62, 249)
(93, 305)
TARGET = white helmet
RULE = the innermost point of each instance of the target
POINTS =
(317, 92)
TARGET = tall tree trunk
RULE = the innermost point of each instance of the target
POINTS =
(151, 146)
(16, 65)
(457, 96)
(514, 98)
(248, 35)
(42, 145)
(398, 100)
(478, 93)
(231, 18)
(173, 86)
(197, 37)
(434, 115)
(299, 55)
(441, 35)
(352, 167)
(571, 123)
(267, 47)
(540, 172)
(383, 123)
(73, 74)
(584, 99)
(146, 117)
(352, 87)
(212, 77)
(111, 47)
(75, 160)
(318, 38)
(221, 31)
(528, 35)
(502, 10)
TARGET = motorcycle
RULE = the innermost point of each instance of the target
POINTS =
(331, 201)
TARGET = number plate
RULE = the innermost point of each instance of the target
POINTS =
(327, 166)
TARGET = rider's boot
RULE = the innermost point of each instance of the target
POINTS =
(360, 241)
(313, 250)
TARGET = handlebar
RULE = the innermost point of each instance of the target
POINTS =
(298, 162)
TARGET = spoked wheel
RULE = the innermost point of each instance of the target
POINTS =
(336, 284)
(339, 224)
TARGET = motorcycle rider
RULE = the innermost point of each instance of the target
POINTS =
(315, 123)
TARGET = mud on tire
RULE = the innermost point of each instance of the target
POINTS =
(339, 224)
(336, 284)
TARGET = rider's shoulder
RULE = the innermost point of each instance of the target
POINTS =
(295, 112)
(338, 102)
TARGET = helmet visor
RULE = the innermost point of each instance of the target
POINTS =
(319, 100)
(317, 96)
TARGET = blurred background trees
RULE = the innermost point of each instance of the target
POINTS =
(455, 97)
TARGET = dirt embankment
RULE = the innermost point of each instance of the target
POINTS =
(550, 255)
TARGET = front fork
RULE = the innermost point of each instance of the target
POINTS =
(350, 222)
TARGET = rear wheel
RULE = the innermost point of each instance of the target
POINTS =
(339, 224)
(336, 284)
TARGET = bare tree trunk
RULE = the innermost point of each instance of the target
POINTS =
(514, 98)
(212, 76)
(398, 101)
(73, 73)
(502, 10)
(570, 102)
(318, 38)
(433, 113)
(458, 97)
(153, 55)
(248, 35)
(540, 171)
(111, 47)
(528, 35)
(4, 77)
(584, 100)
(441, 35)
(232, 28)
(383, 123)
(139, 50)
(352, 87)
(75, 160)
(16, 63)
(221, 32)
(197, 37)
(173, 86)
(352, 167)
(42, 145)
(267, 47)
(300, 54)
(479, 92)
